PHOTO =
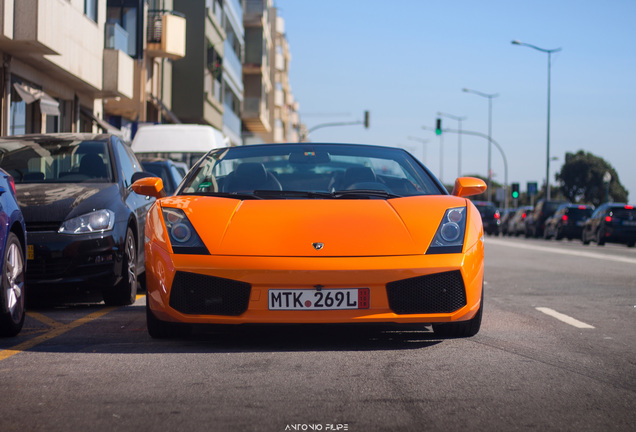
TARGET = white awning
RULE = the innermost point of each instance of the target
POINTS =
(48, 105)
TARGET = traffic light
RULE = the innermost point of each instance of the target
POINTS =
(438, 127)
(366, 119)
(515, 190)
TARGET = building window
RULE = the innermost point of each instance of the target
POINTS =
(90, 9)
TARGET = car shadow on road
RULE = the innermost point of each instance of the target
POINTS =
(123, 331)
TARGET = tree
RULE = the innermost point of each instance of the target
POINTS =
(581, 179)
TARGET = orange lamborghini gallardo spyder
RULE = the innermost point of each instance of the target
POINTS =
(313, 233)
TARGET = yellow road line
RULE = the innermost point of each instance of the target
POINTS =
(44, 319)
(57, 330)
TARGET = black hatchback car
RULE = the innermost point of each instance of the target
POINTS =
(85, 224)
(611, 223)
(567, 221)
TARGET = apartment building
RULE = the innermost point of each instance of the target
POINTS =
(115, 65)
(84, 65)
(53, 73)
(270, 112)
(154, 36)
(207, 83)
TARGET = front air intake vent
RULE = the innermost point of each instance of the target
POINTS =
(436, 293)
(197, 294)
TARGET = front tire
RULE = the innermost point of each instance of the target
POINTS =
(12, 294)
(125, 292)
(464, 328)
(600, 238)
(158, 329)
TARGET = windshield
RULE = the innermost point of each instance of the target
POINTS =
(310, 171)
(57, 161)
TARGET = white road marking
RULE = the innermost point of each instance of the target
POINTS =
(566, 319)
(562, 251)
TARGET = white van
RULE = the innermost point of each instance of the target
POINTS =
(180, 142)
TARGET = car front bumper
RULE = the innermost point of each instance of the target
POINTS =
(63, 259)
(262, 274)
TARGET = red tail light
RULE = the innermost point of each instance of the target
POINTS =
(12, 183)
(608, 218)
(629, 207)
(582, 207)
(497, 215)
(565, 218)
(523, 216)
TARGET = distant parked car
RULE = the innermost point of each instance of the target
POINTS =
(567, 221)
(168, 171)
(13, 253)
(611, 223)
(505, 216)
(489, 216)
(535, 223)
(517, 224)
(85, 224)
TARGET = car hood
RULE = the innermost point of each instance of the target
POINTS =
(55, 202)
(401, 226)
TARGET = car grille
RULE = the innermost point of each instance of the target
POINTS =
(42, 226)
(47, 269)
(196, 294)
(436, 293)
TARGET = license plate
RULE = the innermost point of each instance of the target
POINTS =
(580, 223)
(326, 299)
(629, 223)
(30, 252)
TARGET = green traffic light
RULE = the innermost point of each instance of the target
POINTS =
(515, 194)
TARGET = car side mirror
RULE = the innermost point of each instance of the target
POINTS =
(149, 186)
(468, 186)
(141, 174)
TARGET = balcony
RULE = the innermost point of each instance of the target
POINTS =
(166, 35)
(256, 115)
(36, 24)
(119, 73)
(116, 37)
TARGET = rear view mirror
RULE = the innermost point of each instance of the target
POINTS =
(468, 186)
(150, 186)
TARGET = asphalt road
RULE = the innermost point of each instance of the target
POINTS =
(556, 352)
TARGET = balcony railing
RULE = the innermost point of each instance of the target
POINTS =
(116, 37)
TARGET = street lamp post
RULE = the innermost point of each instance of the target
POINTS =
(490, 97)
(459, 140)
(547, 159)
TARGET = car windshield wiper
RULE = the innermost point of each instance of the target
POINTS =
(236, 195)
(364, 193)
(291, 194)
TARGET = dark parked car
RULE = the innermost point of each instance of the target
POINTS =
(85, 224)
(506, 216)
(166, 170)
(13, 253)
(611, 223)
(489, 216)
(517, 224)
(567, 221)
(535, 222)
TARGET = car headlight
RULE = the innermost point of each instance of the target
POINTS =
(183, 237)
(99, 220)
(449, 237)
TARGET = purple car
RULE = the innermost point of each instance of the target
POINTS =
(13, 253)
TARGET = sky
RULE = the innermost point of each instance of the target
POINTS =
(406, 60)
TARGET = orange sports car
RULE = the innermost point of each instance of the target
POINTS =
(313, 233)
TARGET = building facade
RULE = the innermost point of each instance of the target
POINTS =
(115, 65)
